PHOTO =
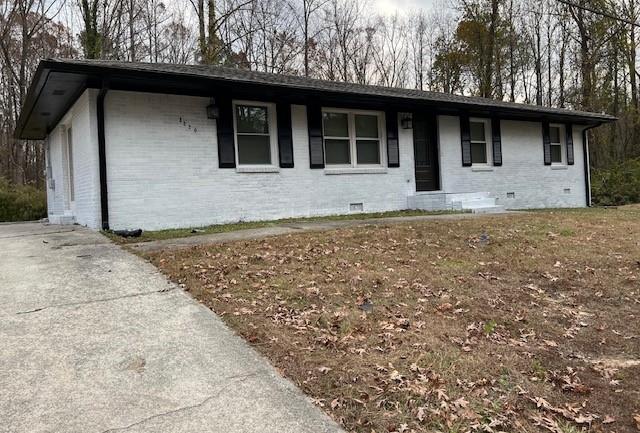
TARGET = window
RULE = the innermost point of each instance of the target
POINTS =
(479, 139)
(352, 138)
(255, 130)
(70, 162)
(555, 135)
(337, 142)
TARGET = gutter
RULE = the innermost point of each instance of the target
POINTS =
(102, 156)
(587, 168)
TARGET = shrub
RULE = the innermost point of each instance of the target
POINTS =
(21, 202)
(618, 185)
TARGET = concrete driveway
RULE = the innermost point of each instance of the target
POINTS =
(94, 339)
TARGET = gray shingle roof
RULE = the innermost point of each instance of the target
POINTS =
(297, 82)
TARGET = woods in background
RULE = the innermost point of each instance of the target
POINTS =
(577, 54)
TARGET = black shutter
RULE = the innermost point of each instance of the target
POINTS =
(285, 136)
(497, 141)
(546, 142)
(316, 147)
(393, 145)
(465, 135)
(570, 155)
(224, 125)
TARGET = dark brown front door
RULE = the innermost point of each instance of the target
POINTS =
(425, 147)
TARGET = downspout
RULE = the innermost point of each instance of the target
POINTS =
(587, 168)
(102, 157)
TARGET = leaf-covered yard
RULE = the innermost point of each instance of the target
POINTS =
(523, 323)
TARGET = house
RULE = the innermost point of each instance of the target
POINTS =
(155, 146)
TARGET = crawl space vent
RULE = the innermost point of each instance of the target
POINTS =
(356, 207)
(511, 195)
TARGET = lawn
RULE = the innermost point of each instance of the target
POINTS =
(156, 235)
(525, 323)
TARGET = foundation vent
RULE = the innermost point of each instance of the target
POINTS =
(356, 207)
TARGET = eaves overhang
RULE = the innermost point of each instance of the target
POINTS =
(57, 84)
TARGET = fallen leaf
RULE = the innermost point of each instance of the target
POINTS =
(584, 419)
(444, 307)
(461, 403)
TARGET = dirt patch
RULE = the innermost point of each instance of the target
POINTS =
(451, 326)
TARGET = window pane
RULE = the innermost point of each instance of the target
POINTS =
(477, 131)
(337, 151)
(556, 153)
(336, 124)
(252, 120)
(366, 126)
(70, 157)
(554, 133)
(478, 153)
(368, 151)
(254, 149)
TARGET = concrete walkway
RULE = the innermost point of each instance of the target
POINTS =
(297, 227)
(94, 339)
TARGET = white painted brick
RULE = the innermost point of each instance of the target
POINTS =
(161, 174)
(523, 171)
(82, 120)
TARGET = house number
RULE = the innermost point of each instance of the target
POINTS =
(185, 123)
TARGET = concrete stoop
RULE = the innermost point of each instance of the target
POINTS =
(476, 202)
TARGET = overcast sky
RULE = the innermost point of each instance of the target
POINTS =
(70, 16)
(389, 7)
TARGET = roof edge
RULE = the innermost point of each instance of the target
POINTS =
(96, 66)
(458, 102)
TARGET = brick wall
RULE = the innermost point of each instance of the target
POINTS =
(85, 210)
(523, 171)
(164, 174)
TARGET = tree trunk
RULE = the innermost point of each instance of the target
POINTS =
(487, 87)
(212, 41)
(132, 35)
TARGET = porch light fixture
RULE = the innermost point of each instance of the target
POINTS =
(213, 111)
(406, 120)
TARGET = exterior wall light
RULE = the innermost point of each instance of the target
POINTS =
(406, 120)
(213, 111)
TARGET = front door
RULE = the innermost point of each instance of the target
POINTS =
(425, 148)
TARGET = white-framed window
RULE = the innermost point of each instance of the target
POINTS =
(69, 139)
(256, 135)
(353, 138)
(556, 136)
(480, 130)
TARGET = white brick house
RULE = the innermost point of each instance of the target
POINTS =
(162, 146)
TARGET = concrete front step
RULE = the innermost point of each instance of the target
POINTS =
(62, 219)
(489, 209)
(475, 203)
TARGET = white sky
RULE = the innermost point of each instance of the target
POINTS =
(70, 16)
(389, 7)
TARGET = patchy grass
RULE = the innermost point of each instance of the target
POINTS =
(526, 323)
(224, 228)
